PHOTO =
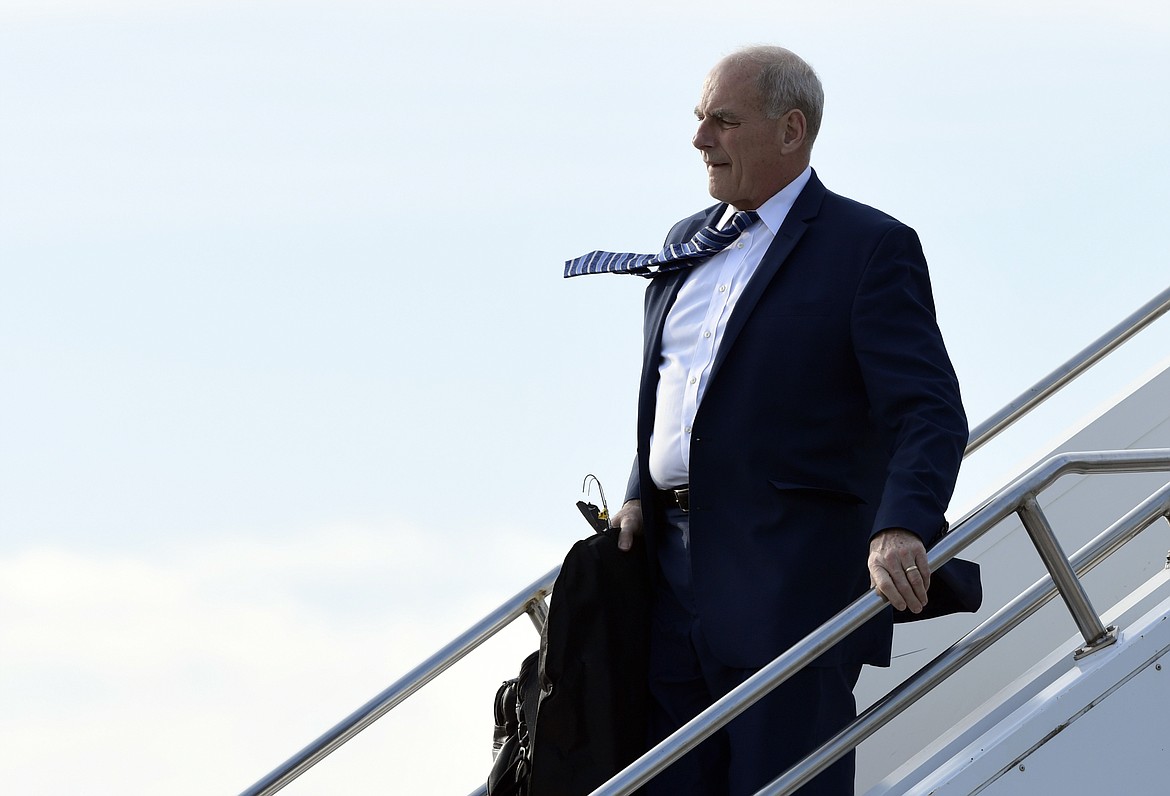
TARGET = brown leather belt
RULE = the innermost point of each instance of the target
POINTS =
(680, 496)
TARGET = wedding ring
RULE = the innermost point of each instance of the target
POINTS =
(911, 567)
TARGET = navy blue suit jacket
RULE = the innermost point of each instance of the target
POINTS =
(832, 413)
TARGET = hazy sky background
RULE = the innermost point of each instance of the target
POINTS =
(293, 391)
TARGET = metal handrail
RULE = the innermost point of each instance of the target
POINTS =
(1088, 356)
(864, 608)
(529, 600)
(971, 645)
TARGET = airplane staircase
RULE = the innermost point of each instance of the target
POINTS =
(1013, 706)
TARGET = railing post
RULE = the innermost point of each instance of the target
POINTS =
(537, 611)
(1072, 591)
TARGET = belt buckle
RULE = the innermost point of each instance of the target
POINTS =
(683, 498)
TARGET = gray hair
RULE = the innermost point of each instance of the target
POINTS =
(786, 82)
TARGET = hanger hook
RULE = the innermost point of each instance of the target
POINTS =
(587, 484)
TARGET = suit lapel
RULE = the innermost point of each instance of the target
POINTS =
(803, 211)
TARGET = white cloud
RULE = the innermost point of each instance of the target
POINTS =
(197, 673)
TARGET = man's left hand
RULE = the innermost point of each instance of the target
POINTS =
(897, 568)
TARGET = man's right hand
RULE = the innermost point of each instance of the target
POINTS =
(629, 519)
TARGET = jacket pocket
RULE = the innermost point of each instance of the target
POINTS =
(827, 493)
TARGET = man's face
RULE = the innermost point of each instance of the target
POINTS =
(742, 148)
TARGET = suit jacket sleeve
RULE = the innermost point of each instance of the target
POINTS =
(911, 385)
(634, 485)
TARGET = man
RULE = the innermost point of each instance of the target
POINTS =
(799, 431)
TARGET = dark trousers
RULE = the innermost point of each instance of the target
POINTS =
(764, 741)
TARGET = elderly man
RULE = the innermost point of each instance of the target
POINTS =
(799, 431)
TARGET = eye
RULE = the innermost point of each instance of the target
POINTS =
(723, 121)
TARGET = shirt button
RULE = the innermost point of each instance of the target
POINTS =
(688, 429)
(706, 334)
(739, 245)
(693, 380)
(723, 288)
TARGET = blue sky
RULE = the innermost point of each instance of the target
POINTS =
(293, 390)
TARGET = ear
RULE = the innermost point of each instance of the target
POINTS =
(793, 127)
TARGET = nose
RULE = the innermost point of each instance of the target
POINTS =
(702, 138)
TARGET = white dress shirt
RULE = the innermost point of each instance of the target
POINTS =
(694, 329)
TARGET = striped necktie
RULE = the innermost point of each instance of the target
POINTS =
(706, 242)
